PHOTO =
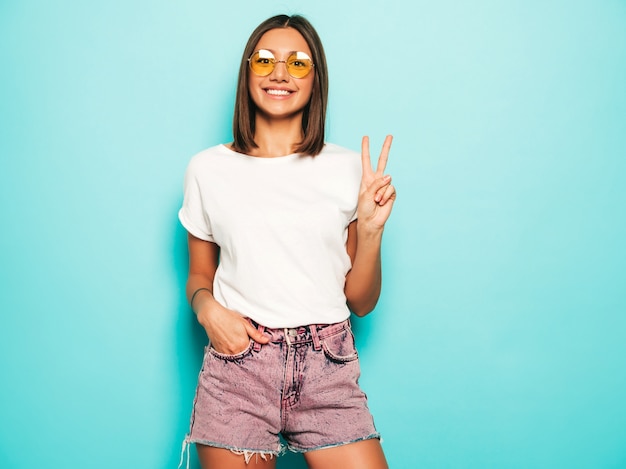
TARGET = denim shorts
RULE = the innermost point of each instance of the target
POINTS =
(302, 385)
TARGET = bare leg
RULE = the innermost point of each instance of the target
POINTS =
(367, 454)
(220, 458)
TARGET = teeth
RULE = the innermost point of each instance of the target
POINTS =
(278, 92)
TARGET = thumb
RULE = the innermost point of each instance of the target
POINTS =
(255, 334)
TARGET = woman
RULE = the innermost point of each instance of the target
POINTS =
(279, 256)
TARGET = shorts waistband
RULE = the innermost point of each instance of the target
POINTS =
(302, 334)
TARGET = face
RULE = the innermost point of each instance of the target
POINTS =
(279, 95)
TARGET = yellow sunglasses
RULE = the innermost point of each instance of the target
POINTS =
(263, 62)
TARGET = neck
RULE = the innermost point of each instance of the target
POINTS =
(277, 137)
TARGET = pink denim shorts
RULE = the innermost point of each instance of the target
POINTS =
(302, 385)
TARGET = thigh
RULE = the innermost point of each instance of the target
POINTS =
(366, 454)
(220, 458)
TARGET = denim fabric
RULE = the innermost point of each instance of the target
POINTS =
(303, 385)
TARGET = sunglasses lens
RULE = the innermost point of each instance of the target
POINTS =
(262, 62)
(299, 64)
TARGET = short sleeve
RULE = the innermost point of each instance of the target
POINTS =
(353, 217)
(192, 214)
(354, 181)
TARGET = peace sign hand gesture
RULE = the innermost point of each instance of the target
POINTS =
(377, 195)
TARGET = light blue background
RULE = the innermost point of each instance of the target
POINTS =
(500, 337)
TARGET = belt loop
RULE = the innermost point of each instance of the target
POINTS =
(316, 338)
(257, 345)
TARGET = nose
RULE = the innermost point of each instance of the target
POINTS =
(280, 71)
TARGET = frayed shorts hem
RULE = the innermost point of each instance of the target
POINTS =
(235, 449)
(247, 453)
(294, 449)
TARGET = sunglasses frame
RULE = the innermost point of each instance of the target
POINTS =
(274, 62)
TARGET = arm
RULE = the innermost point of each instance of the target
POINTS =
(376, 198)
(228, 331)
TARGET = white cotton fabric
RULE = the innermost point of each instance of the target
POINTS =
(281, 224)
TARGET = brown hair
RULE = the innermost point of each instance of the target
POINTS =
(314, 116)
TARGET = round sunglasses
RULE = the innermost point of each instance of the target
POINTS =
(263, 62)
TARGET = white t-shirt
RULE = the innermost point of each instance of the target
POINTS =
(281, 224)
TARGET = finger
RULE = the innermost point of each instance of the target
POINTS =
(384, 155)
(255, 334)
(389, 194)
(365, 155)
(377, 188)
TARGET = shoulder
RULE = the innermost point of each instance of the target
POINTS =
(209, 159)
(336, 150)
(339, 153)
(341, 157)
(210, 154)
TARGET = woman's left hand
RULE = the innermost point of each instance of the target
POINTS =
(377, 194)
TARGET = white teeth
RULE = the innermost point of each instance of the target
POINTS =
(278, 92)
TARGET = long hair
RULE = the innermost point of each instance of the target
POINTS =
(314, 115)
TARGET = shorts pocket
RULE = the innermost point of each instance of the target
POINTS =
(340, 347)
(237, 356)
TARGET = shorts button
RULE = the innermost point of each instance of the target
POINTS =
(292, 332)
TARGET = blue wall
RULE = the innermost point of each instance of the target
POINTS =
(500, 338)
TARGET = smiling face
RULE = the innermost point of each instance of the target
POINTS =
(279, 95)
(253, 104)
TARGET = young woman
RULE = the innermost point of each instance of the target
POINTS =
(284, 237)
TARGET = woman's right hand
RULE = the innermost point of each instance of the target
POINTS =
(228, 331)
